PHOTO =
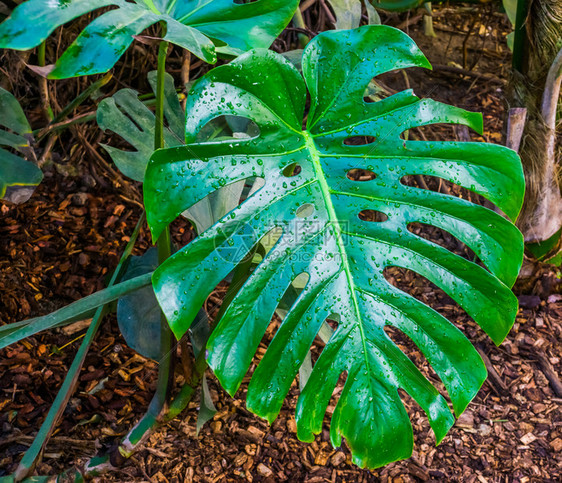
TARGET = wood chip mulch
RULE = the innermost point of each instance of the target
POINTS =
(64, 242)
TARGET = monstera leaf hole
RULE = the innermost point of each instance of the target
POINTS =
(435, 132)
(292, 292)
(358, 174)
(439, 185)
(226, 128)
(409, 347)
(442, 238)
(448, 187)
(292, 170)
(305, 210)
(372, 216)
(359, 140)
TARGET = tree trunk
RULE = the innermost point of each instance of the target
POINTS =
(538, 42)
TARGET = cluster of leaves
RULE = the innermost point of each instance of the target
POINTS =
(240, 165)
(204, 28)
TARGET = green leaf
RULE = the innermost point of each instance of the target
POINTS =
(372, 14)
(18, 177)
(510, 7)
(545, 249)
(348, 13)
(397, 5)
(127, 116)
(195, 25)
(555, 260)
(316, 208)
(138, 313)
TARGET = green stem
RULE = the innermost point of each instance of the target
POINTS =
(520, 37)
(298, 22)
(160, 78)
(158, 406)
(165, 373)
(101, 464)
(43, 88)
(32, 455)
(187, 391)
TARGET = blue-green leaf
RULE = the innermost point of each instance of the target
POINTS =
(18, 176)
(195, 25)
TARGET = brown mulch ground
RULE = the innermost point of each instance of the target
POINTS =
(64, 242)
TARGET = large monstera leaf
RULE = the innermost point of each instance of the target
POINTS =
(311, 196)
(196, 25)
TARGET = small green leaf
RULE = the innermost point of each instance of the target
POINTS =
(544, 249)
(18, 176)
(397, 5)
(510, 7)
(372, 14)
(125, 115)
(316, 209)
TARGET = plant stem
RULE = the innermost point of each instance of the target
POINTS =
(165, 372)
(101, 464)
(165, 368)
(159, 122)
(520, 37)
(43, 88)
(298, 22)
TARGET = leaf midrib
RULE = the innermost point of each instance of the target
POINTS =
(333, 219)
(192, 12)
(336, 96)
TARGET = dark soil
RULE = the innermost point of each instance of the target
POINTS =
(64, 242)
